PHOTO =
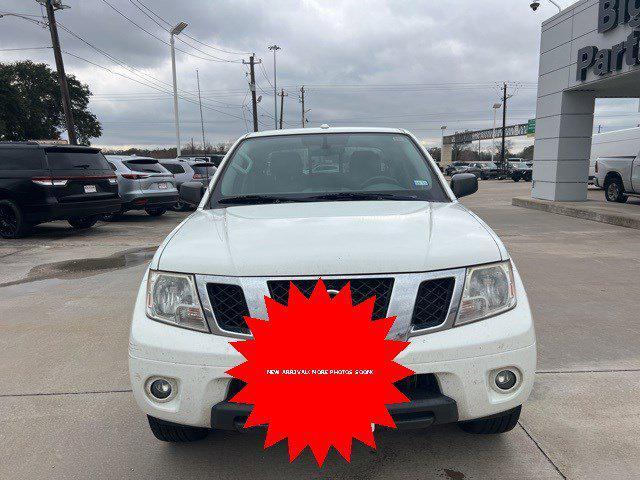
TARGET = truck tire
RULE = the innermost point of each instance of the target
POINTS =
(614, 190)
(170, 432)
(83, 223)
(12, 222)
(494, 425)
(516, 178)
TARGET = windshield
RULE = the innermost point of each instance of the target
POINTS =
(326, 167)
(145, 166)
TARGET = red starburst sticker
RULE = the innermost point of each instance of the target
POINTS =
(320, 372)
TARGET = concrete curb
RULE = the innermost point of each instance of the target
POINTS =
(586, 212)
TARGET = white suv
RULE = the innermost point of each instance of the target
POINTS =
(367, 206)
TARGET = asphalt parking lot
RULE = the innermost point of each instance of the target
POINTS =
(66, 410)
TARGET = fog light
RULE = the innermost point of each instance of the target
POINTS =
(160, 389)
(506, 380)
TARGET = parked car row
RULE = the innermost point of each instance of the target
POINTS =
(517, 169)
(43, 183)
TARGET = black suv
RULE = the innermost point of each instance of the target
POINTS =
(42, 183)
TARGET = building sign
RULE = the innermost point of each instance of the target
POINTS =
(611, 14)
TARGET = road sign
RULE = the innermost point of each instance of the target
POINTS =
(531, 128)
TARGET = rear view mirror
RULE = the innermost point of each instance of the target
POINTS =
(192, 192)
(464, 184)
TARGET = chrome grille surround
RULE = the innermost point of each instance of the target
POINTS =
(401, 305)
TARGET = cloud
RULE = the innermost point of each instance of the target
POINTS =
(454, 53)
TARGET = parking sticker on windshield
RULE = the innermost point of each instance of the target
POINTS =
(421, 183)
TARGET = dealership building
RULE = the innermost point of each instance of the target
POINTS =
(588, 51)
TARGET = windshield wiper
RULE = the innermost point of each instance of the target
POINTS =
(84, 166)
(258, 199)
(356, 196)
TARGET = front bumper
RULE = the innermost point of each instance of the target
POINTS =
(422, 413)
(463, 360)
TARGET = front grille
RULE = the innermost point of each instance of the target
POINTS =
(229, 307)
(432, 303)
(415, 387)
(361, 290)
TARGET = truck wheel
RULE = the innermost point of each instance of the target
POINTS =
(170, 432)
(614, 190)
(155, 212)
(516, 178)
(12, 222)
(491, 426)
(83, 223)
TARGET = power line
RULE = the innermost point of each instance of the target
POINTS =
(23, 49)
(212, 59)
(147, 77)
(169, 31)
(264, 74)
(190, 37)
(186, 99)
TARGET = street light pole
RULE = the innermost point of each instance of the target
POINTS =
(176, 31)
(275, 48)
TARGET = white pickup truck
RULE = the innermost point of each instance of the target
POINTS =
(361, 205)
(619, 176)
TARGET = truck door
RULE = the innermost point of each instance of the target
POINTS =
(635, 174)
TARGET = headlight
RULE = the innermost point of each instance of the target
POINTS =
(488, 290)
(173, 298)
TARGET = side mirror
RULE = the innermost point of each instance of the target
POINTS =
(192, 192)
(464, 184)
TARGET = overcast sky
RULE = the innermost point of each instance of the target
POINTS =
(416, 64)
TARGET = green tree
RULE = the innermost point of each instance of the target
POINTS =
(31, 106)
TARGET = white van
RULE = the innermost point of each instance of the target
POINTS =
(621, 143)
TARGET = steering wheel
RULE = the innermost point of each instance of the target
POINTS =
(380, 179)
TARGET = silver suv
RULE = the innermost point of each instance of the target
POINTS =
(143, 184)
(186, 171)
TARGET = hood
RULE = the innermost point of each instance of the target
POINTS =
(329, 238)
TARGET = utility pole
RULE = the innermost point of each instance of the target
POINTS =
(252, 85)
(204, 143)
(282, 95)
(52, 6)
(504, 125)
(496, 106)
(304, 113)
(176, 31)
(275, 48)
